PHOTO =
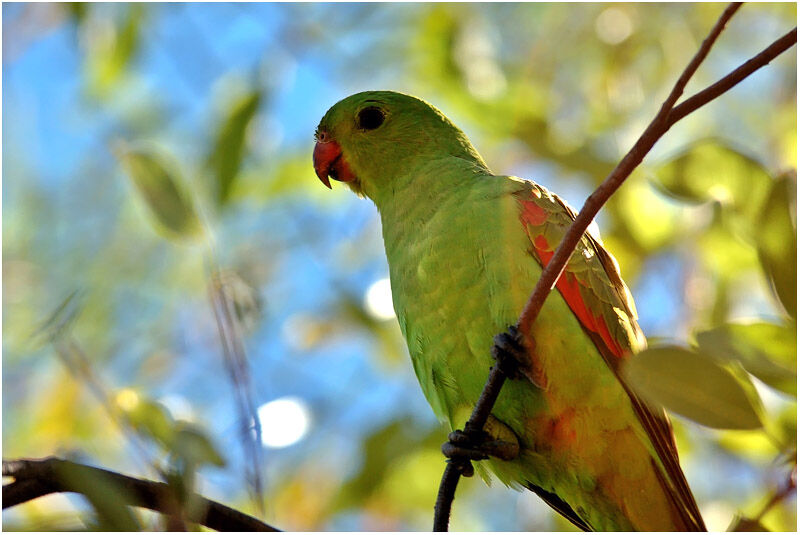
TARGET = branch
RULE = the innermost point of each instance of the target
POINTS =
(743, 71)
(34, 478)
(657, 127)
(784, 490)
(667, 116)
(788, 487)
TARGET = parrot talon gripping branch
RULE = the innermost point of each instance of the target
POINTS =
(510, 355)
(478, 446)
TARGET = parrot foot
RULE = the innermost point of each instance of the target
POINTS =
(515, 357)
(509, 353)
(477, 446)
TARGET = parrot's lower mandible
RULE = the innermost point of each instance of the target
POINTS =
(465, 248)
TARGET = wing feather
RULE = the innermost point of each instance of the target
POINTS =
(594, 290)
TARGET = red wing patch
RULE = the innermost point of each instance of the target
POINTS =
(545, 219)
(567, 283)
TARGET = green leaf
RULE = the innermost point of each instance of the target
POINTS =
(227, 152)
(111, 51)
(766, 350)
(777, 241)
(161, 188)
(193, 446)
(693, 385)
(711, 170)
(106, 497)
(722, 251)
(381, 450)
(662, 223)
(741, 523)
(148, 417)
(77, 11)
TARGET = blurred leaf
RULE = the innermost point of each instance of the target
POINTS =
(105, 496)
(412, 477)
(193, 446)
(148, 417)
(722, 250)
(162, 190)
(711, 170)
(437, 32)
(227, 152)
(111, 49)
(187, 442)
(381, 449)
(753, 445)
(777, 241)
(766, 350)
(741, 523)
(653, 228)
(55, 420)
(77, 11)
(693, 385)
(786, 428)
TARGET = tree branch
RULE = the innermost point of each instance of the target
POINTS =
(34, 478)
(667, 115)
(788, 487)
(740, 73)
(657, 127)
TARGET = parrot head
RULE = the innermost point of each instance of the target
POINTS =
(368, 138)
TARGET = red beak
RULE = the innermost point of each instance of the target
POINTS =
(328, 161)
(325, 154)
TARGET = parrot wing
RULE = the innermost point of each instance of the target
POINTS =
(595, 292)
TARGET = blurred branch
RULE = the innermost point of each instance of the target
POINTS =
(781, 493)
(784, 490)
(34, 478)
(57, 329)
(667, 115)
(533, 132)
(238, 368)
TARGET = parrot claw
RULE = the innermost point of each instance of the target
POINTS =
(509, 353)
(477, 446)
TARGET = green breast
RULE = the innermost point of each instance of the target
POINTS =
(461, 272)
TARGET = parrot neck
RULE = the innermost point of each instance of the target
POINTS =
(413, 197)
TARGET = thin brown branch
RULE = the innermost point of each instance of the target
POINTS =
(698, 58)
(788, 487)
(740, 73)
(657, 128)
(34, 478)
(456, 467)
(667, 116)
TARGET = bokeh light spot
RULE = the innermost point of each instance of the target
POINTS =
(613, 26)
(378, 300)
(127, 399)
(284, 421)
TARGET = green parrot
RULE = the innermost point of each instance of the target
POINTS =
(465, 248)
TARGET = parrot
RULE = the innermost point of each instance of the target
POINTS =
(465, 248)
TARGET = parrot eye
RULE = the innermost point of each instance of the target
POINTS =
(370, 118)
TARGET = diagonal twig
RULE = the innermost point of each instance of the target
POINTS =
(667, 116)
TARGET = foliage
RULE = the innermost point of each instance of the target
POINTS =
(196, 121)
